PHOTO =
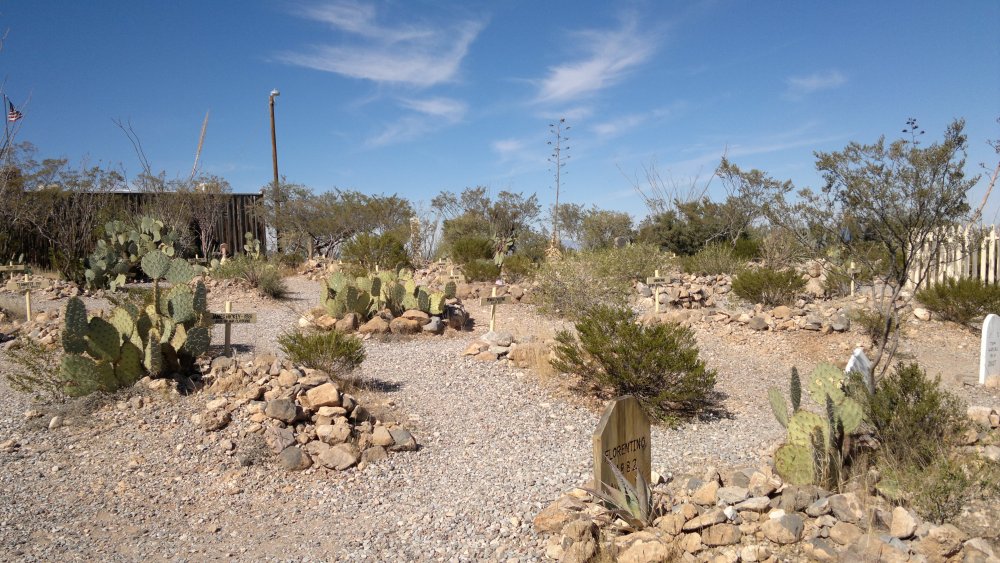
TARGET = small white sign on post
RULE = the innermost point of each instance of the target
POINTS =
(989, 351)
(860, 363)
(493, 301)
(27, 285)
(228, 318)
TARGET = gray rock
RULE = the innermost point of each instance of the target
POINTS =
(840, 323)
(755, 504)
(340, 457)
(846, 507)
(784, 530)
(373, 454)
(819, 508)
(434, 326)
(498, 338)
(732, 495)
(278, 438)
(221, 363)
(404, 441)
(757, 323)
(215, 420)
(284, 410)
(294, 459)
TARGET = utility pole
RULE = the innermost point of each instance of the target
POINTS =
(558, 159)
(274, 158)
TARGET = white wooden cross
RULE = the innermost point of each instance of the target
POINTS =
(493, 301)
(656, 281)
(228, 318)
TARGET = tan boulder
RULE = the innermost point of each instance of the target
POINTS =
(417, 315)
(402, 325)
(375, 326)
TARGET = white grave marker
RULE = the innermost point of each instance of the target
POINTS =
(493, 301)
(27, 285)
(989, 351)
(623, 436)
(860, 363)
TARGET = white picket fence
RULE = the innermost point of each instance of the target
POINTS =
(962, 252)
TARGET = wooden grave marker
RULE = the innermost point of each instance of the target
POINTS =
(623, 436)
(26, 285)
(989, 350)
(228, 318)
(493, 301)
(656, 281)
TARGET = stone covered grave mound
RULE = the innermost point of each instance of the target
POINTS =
(303, 415)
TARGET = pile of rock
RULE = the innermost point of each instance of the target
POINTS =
(804, 316)
(750, 515)
(410, 322)
(518, 293)
(46, 328)
(492, 346)
(302, 414)
(687, 291)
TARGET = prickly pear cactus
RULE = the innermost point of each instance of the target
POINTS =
(437, 303)
(423, 301)
(450, 290)
(778, 406)
(795, 464)
(117, 256)
(825, 381)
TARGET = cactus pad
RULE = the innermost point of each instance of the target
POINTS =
(103, 341)
(179, 272)
(795, 464)
(76, 327)
(778, 406)
(198, 341)
(155, 264)
(450, 290)
(850, 414)
(801, 426)
(825, 381)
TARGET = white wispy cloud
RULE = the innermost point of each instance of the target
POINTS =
(610, 56)
(412, 55)
(447, 108)
(507, 147)
(799, 86)
(624, 123)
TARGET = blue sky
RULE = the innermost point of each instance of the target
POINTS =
(414, 97)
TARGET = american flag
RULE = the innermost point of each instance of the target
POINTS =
(13, 114)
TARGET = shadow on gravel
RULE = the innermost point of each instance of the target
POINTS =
(379, 385)
(715, 410)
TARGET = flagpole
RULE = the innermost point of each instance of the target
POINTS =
(6, 130)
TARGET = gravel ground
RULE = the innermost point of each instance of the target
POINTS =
(123, 481)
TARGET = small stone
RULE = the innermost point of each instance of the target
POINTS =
(781, 312)
(846, 507)
(375, 326)
(373, 454)
(404, 441)
(941, 542)
(755, 504)
(710, 518)
(382, 437)
(294, 459)
(402, 325)
(732, 495)
(922, 314)
(56, 422)
(844, 533)
(215, 420)
(903, 523)
(287, 378)
(340, 457)
(721, 534)
(216, 404)
(784, 530)
(757, 323)
(221, 363)
(325, 395)
(819, 508)
(706, 494)
(284, 410)
(754, 553)
(278, 438)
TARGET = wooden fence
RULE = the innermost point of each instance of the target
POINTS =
(242, 215)
(960, 252)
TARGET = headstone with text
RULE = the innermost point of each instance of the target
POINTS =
(26, 285)
(655, 282)
(989, 351)
(493, 300)
(623, 437)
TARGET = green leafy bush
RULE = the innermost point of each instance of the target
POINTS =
(36, 369)
(657, 364)
(333, 352)
(385, 251)
(472, 248)
(481, 270)
(518, 267)
(871, 323)
(962, 301)
(713, 260)
(260, 274)
(747, 249)
(767, 286)
(583, 280)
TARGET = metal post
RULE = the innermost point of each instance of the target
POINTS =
(229, 328)
(274, 159)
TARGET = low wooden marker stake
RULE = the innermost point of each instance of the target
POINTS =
(457, 278)
(622, 438)
(656, 281)
(228, 318)
(12, 269)
(493, 301)
(852, 272)
(26, 285)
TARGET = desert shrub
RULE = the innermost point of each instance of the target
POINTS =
(36, 369)
(767, 286)
(747, 249)
(333, 352)
(481, 270)
(260, 274)
(911, 415)
(837, 282)
(712, 260)
(780, 249)
(962, 301)
(470, 249)
(385, 251)
(583, 280)
(658, 364)
(519, 267)
(871, 323)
